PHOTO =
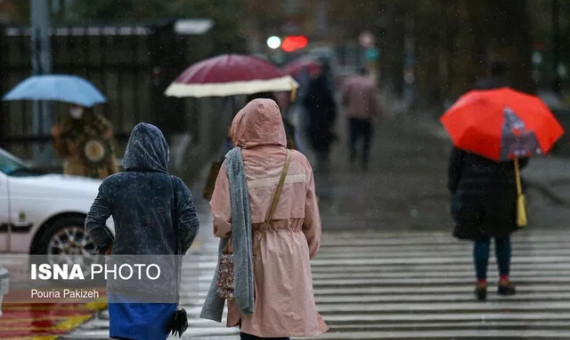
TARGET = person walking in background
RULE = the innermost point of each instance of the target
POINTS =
(360, 101)
(283, 239)
(85, 140)
(321, 110)
(154, 214)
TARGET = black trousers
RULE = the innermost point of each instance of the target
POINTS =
(244, 336)
(359, 128)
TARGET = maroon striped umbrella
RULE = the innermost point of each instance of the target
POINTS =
(230, 74)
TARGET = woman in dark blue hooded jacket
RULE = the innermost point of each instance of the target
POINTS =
(147, 205)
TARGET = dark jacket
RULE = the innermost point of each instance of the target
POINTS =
(152, 211)
(321, 111)
(141, 202)
(483, 195)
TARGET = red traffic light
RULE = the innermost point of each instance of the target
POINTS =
(294, 42)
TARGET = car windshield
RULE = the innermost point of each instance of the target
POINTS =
(13, 166)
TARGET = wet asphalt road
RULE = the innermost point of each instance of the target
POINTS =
(389, 268)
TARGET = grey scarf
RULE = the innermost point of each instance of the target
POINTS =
(242, 244)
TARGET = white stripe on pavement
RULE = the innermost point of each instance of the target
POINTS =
(409, 286)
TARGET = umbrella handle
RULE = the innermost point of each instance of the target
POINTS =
(294, 87)
(293, 94)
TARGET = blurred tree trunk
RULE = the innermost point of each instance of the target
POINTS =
(392, 48)
(427, 31)
(469, 57)
(448, 14)
(457, 40)
(510, 29)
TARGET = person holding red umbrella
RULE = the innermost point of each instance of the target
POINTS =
(494, 131)
(483, 205)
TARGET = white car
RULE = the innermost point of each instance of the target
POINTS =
(44, 213)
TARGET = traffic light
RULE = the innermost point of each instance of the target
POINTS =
(294, 42)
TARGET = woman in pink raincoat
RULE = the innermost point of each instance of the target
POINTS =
(284, 302)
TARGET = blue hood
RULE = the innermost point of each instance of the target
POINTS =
(147, 150)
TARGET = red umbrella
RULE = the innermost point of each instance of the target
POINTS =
(501, 124)
(230, 74)
(295, 67)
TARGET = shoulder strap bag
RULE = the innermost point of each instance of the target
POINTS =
(522, 208)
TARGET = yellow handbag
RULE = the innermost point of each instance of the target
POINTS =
(522, 209)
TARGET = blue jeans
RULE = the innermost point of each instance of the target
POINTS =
(481, 256)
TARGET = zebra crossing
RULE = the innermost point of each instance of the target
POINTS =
(373, 285)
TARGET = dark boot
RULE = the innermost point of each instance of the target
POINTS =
(481, 291)
(506, 287)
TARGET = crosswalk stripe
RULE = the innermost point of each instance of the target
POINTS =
(438, 334)
(358, 255)
(417, 261)
(434, 307)
(434, 297)
(426, 274)
(481, 316)
(437, 268)
(449, 289)
(375, 282)
(410, 286)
